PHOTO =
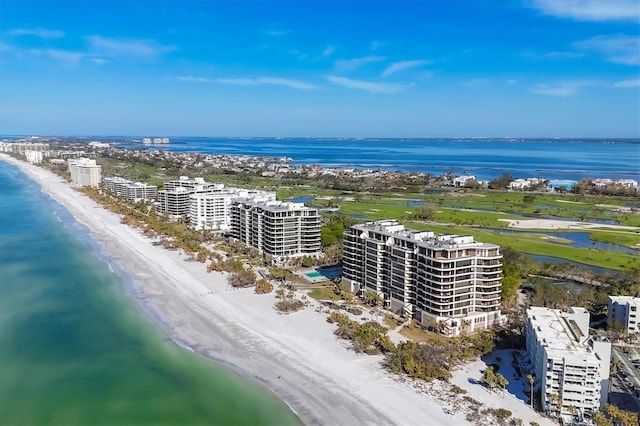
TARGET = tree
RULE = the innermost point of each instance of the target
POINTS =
(501, 182)
(501, 381)
(489, 377)
(601, 420)
(425, 212)
(511, 281)
(532, 380)
(371, 298)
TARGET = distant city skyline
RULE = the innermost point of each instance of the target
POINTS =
(486, 68)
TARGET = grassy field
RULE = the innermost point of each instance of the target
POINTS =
(478, 215)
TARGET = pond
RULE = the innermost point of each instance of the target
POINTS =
(302, 199)
(578, 240)
(551, 259)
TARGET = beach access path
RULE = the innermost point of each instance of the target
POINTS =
(297, 356)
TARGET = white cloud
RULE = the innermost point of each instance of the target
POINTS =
(589, 10)
(328, 50)
(36, 32)
(192, 79)
(99, 61)
(403, 65)
(617, 49)
(67, 56)
(293, 84)
(562, 88)
(633, 83)
(346, 65)
(369, 86)
(126, 47)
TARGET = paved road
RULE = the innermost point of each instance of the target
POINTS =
(622, 392)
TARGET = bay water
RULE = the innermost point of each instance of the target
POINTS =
(485, 158)
(76, 349)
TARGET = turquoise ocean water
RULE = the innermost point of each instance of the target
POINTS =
(75, 349)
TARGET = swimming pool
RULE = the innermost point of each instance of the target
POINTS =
(328, 273)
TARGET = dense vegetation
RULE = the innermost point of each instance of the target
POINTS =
(435, 358)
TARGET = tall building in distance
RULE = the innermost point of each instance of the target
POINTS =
(147, 141)
(446, 281)
(276, 228)
(624, 312)
(571, 368)
(85, 172)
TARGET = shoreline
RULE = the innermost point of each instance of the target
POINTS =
(297, 356)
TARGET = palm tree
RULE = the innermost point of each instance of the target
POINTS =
(532, 380)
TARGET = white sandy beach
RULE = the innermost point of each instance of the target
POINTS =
(296, 356)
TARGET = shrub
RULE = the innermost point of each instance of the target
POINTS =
(244, 278)
(263, 286)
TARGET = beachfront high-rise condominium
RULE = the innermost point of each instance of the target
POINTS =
(195, 184)
(175, 198)
(85, 172)
(624, 313)
(212, 210)
(22, 147)
(133, 191)
(276, 228)
(34, 157)
(446, 281)
(571, 368)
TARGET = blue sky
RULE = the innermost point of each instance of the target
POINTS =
(468, 68)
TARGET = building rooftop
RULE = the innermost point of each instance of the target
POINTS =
(563, 334)
(625, 299)
(392, 228)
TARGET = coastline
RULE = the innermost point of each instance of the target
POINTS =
(296, 356)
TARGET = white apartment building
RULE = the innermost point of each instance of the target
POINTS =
(571, 368)
(133, 191)
(175, 198)
(276, 228)
(85, 172)
(22, 147)
(115, 184)
(625, 312)
(137, 191)
(526, 183)
(34, 157)
(174, 202)
(442, 280)
(463, 180)
(212, 210)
